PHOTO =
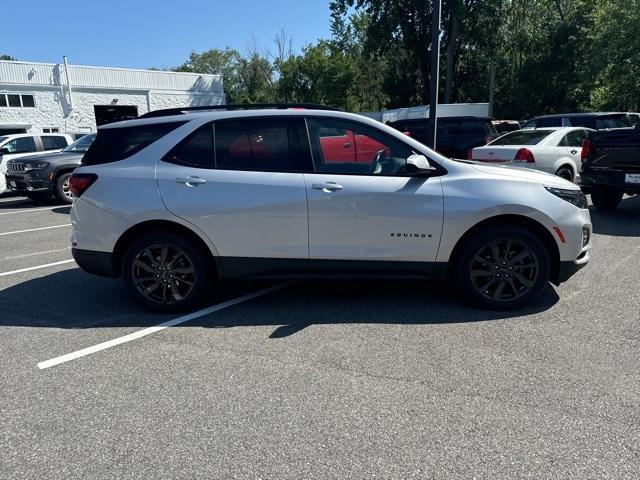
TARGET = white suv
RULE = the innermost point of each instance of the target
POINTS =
(173, 202)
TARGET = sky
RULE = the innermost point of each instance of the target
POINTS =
(145, 33)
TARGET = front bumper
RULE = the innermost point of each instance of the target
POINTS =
(29, 182)
(98, 263)
(568, 269)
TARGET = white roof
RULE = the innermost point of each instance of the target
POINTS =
(52, 74)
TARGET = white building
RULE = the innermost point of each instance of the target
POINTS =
(48, 97)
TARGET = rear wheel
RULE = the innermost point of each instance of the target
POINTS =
(62, 191)
(566, 173)
(166, 273)
(503, 268)
(605, 199)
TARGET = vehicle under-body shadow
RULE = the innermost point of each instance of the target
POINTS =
(72, 299)
(621, 222)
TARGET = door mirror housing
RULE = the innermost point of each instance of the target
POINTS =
(4, 151)
(419, 166)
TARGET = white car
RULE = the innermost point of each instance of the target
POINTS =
(175, 203)
(24, 144)
(551, 150)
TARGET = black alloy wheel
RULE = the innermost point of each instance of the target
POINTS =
(504, 268)
(165, 273)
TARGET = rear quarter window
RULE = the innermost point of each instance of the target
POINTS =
(115, 144)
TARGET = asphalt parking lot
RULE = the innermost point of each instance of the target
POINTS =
(389, 379)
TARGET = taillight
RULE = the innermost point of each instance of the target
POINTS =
(524, 155)
(79, 182)
(586, 150)
(470, 154)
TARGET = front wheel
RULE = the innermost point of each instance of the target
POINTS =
(606, 199)
(503, 268)
(62, 190)
(166, 273)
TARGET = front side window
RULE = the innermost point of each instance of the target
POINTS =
(363, 151)
(21, 145)
(195, 151)
(53, 142)
(260, 144)
(574, 139)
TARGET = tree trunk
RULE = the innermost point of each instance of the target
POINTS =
(451, 52)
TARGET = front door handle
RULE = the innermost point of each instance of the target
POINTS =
(347, 145)
(327, 187)
(573, 152)
(191, 181)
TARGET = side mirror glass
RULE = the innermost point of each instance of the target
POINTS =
(419, 166)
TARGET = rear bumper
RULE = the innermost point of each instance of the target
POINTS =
(98, 263)
(592, 179)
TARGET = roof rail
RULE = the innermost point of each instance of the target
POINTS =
(238, 106)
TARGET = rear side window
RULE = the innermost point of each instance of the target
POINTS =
(262, 144)
(53, 143)
(548, 122)
(522, 137)
(114, 144)
(194, 151)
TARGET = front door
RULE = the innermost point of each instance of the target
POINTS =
(367, 213)
(249, 198)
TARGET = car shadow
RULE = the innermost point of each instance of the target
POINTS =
(72, 299)
(621, 222)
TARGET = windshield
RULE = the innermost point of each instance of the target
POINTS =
(523, 137)
(82, 144)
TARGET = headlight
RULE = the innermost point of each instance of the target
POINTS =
(575, 197)
(35, 166)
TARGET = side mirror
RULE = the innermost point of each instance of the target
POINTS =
(419, 166)
(4, 151)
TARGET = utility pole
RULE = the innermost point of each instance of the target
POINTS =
(492, 88)
(435, 72)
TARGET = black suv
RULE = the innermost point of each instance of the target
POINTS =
(594, 121)
(41, 176)
(611, 166)
(455, 136)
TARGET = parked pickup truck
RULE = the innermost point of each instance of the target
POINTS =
(611, 166)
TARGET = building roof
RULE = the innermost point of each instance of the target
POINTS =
(53, 74)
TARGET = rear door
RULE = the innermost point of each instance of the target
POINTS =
(248, 194)
(366, 214)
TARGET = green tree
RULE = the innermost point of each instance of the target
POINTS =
(8, 57)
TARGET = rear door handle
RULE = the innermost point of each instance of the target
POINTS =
(573, 152)
(347, 145)
(327, 187)
(191, 181)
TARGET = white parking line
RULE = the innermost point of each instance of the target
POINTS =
(38, 267)
(35, 229)
(34, 210)
(148, 331)
(34, 254)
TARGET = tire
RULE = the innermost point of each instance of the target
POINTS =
(605, 199)
(173, 284)
(566, 173)
(516, 277)
(39, 197)
(61, 190)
